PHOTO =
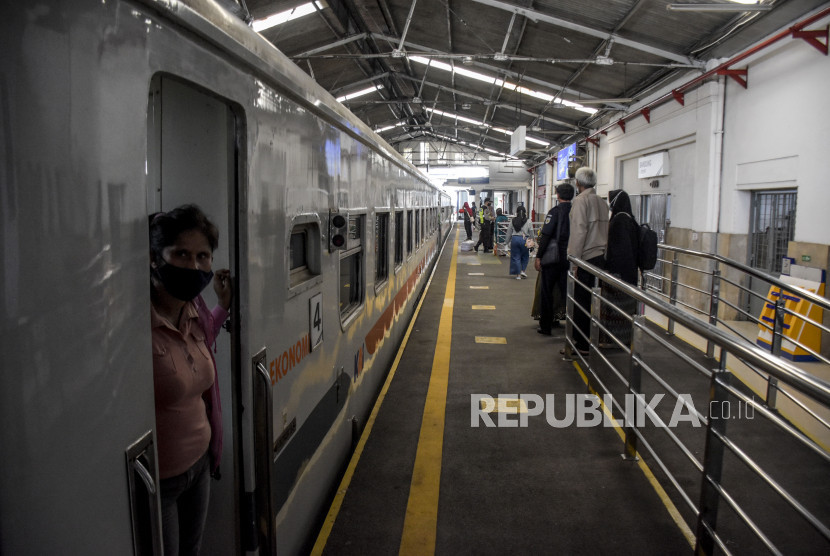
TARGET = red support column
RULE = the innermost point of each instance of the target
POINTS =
(646, 112)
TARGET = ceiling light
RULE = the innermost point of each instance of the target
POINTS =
(466, 106)
(360, 93)
(284, 17)
(719, 7)
(497, 82)
(467, 60)
(604, 61)
(416, 100)
(500, 57)
(398, 53)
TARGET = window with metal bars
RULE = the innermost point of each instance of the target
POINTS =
(772, 227)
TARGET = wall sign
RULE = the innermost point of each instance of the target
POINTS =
(653, 165)
(315, 320)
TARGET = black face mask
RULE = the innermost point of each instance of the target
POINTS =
(183, 283)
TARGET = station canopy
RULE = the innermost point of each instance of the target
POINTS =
(471, 72)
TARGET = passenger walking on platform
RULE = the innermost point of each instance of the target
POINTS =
(621, 261)
(587, 241)
(188, 411)
(554, 275)
(486, 219)
(501, 233)
(519, 230)
(479, 219)
(468, 220)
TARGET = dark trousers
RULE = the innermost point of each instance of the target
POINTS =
(582, 296)
(485, 236)
(468, 227)
(553, 276)
(184, 505)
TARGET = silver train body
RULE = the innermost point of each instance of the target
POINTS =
(112, 110)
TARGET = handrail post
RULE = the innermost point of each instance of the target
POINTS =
(712, 460)
(673, 292)
(777, 340)
(714, 296)
(778, 325)
(634, 381)
(569, 310)
(596, 311)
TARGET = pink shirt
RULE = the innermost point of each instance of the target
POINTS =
(182, 371)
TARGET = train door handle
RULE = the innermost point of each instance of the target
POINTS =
(145, 496)
(145, 476)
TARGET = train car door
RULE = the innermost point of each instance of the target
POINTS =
(192, 158)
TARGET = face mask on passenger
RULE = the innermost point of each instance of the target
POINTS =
(182, 283)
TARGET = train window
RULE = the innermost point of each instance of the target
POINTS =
(351, 269)
(398, 238)
(417, 228)
(351, 285)
(381, 248)
(304, 250)
(408, 232)
(299, 241)
(355, 237)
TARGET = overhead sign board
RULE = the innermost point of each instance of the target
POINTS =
(518, 143)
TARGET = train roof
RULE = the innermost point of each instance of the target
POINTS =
(216, 25)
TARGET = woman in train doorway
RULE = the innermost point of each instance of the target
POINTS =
(620, 261)
(517, 233)
(188, 414)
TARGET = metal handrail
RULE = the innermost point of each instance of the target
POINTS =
(811, 297)
(712, 490)
(718, 280)
(779, 368)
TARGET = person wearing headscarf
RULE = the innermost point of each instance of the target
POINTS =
(621, 262)
(468, 220)
(518, 231)
(501, 231)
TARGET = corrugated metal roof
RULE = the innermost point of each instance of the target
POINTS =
(554, 47)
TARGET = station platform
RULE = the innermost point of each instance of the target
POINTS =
(429, 476)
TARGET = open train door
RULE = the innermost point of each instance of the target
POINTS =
(192, 158)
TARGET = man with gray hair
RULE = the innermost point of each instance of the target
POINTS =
(589, 236)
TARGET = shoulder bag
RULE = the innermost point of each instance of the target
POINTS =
(551, 255)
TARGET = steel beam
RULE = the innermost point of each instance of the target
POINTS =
(534, 15)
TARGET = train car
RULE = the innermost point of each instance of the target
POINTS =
(115, 109)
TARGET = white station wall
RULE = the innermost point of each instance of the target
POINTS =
(776, 134)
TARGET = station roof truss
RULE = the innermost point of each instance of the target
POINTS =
(469, 72)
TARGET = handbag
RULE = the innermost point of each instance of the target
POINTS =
(551, 254)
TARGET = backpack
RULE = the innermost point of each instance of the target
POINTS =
(647, 248)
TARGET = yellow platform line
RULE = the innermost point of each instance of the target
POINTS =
(337, 503)
(655, 484)
(421, 520)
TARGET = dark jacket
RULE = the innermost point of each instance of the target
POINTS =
(623, 239)
(559, 213)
